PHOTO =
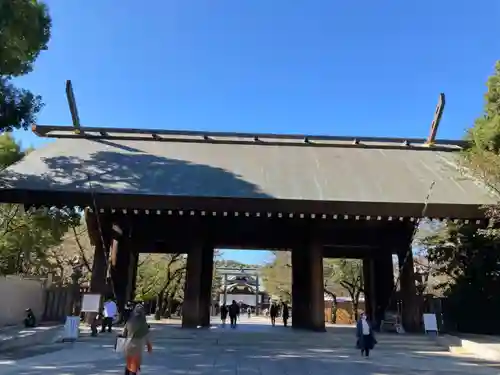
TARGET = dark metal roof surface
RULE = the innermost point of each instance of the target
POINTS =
(248, 170)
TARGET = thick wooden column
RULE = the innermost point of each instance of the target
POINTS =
(101, 253)
(411, 311)
(384, 283)
(315, 264)
(119, 265)
(300, 288)
(132, 274)
(369, 288)
(207, 270)
(198, 287)
(308, 305)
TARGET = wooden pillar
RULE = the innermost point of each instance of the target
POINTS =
(132, 274)
(410, 309)
(207, 271)
(300, 288)
(308, 305)
(101, 253)
(369, 291)
(317, 299)
(119, 265)
(198, 287)
(384, 283)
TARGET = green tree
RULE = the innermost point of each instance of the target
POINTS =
(28, 238)
(468, 255)
(341, 276)
(75, 245)
(10, 151)
(348, 273)
(24, 32)
(277, 276)
(482, 159)
(161, 277)
(471, 262)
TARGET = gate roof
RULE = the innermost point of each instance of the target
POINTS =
(192, 164)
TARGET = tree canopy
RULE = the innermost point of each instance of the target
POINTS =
(29, 240)
(342, 277)
(24, 32)
(468, 255)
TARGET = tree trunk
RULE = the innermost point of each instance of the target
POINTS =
(159, 305)
(335, 308)
(164, 305)
(170, 301)
(354, 305)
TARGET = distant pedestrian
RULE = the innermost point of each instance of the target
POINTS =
(29, 319)
(285, 314)
(223, 314)
(274, 313)
(234, 313)
(365, 337)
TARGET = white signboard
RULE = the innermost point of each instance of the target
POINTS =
(247, 299)
(91, 302)
(71, 328)
(430, 323)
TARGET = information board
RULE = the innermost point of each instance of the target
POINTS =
(91, 302)
(430, 323)
(71, 328)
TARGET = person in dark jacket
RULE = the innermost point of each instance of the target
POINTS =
(223, 314)
(274, 313)
(234, 312)
(29, 319)
(365, 337)
(285, 314)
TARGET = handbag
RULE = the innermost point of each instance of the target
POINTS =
(121, 344)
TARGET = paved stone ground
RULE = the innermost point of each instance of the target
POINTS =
(19, 337)
(252, 349)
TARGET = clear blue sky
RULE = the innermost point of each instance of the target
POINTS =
(320, 66)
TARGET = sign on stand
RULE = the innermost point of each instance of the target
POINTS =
(91, 302)
(71, 328)
(430, 323)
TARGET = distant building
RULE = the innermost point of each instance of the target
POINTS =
(245, 290)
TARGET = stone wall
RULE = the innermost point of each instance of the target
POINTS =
(16, 295)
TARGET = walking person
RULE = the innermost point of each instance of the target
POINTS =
(136, 332)
(285, 314)
(109, 313)
(365, 337)
(223, 314)
(234, 312)
(274, 313)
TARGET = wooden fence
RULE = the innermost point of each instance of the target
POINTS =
(59, 303)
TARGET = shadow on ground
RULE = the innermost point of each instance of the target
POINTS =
(283, 351)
